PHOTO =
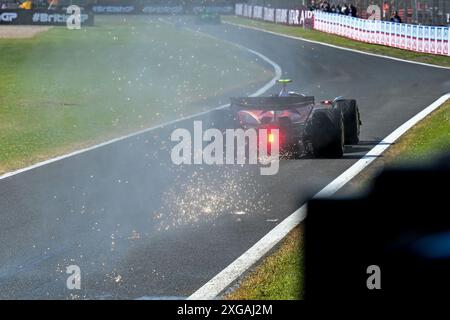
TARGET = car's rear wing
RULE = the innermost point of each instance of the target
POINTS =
(271, 103)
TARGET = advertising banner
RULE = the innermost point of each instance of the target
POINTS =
(210, 9)
(269, 14)
(433, 39)
(378, 39)
(402, 36)
(258, 12)
(439, 40)
(396, 35)
(358, 30)
(384, 33)
(408, 37)
(414, 39)
(239, 9)
(41, 17)
(162, 9)
(420, 39)
(446, 44)
(114, 9)
(372, 38)
(281, 16)
(426, 39)
(170, 9)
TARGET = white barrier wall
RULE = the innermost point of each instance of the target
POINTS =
(426, 39)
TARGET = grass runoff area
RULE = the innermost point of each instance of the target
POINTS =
(66, 89)
(280, 275)
(427, 139)
(341, 41)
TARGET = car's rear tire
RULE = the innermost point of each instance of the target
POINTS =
(326, 133)
(352, 120)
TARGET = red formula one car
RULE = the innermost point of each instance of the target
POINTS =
(305, 126)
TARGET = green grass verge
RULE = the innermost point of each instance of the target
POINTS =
(425, 140)
(341, 41)
(279, 277)
(65, 89)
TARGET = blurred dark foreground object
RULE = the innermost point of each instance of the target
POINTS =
(402, 226)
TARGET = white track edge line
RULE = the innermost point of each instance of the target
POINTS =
(260, 91)
(236, 269)
(338, 47)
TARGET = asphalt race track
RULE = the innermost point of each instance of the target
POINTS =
(139, 226)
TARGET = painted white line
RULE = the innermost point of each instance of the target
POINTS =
(335, 47)
(260, 91)
(231, 273)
